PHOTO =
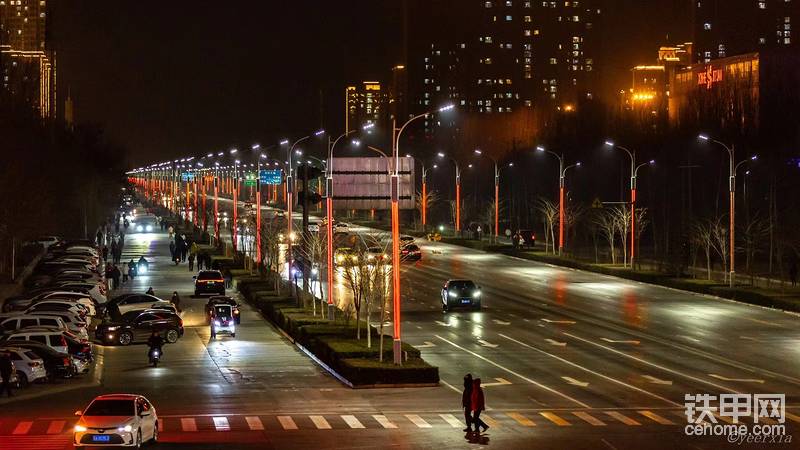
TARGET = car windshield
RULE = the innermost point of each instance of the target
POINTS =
(462, 287)
(223, 310)
(209, 276)
(110, 408)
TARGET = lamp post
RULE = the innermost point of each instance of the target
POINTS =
(496, 192)
(458, 190)
(395, 194)
(634, 169)
(562, 176)
(424, 203)
(732, 166)
(256, 147)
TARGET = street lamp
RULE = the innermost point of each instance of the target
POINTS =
(424, 202)
(562, 175)
(395, 194)
(458, 189)
(634, 169)
(496, 192)
(290, 191)
(732, 167)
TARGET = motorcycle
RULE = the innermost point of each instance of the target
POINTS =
(155, 356)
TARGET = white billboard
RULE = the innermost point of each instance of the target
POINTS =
(364, 183)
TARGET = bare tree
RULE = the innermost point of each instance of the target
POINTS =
(701, 236)
(432, 198)
(573, 214)
(642, 222)
(549, 214)
(756, 231)
(314, 252)
(719, 238)
(622, 222)
(606, 223)
(271, 239)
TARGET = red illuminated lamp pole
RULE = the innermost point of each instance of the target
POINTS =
(458, 190)
(562, 176)
(497, 169)
(216, 204)
(424, 212)
(290, 200)
(235, 197)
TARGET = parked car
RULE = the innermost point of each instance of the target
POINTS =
(59, 340)
(58, 305)
(71, 297)
(75, 323)
(136, 326)
(57, 364)
(405, 240)
(377, 254)
(97, 291)
(460, 293)
(223, 300)
(46, 241)
(22, 321)
(410, 252)
(30, 367)
(117, 420)
(209, 282)
(118, 306)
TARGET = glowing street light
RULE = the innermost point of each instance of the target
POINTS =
(562, 175)
(496, 192)
(458, 189)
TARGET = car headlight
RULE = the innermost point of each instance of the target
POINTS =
(139, 228)
(126, 429)
(114, 328)
(476, 294)
(452, 294)
(216, 322)
(149, 228)
(80, 428)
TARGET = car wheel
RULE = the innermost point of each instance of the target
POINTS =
(172, 336)
(125, 338)
(138, 443)
(22, 379)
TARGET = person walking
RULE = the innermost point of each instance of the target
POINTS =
(478, 405)
(118, 252)
(6, 370)
(466, 401)
(105, 253)
(793, 272)
(176, 300)
(115, 274)
(131, 269)
(191, 262)
(172, 249)
(184, 248)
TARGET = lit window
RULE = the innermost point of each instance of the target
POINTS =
(553, 61)
(508, 18)
(706, 26)
(488, 4)
(762, 5)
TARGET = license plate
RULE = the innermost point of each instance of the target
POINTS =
(101, 438)
(465, 301)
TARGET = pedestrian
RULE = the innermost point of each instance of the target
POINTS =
(176, 300)
(109, 272)
(793, 272)
(478, 405)
(99, 236)
(115, 274)
(479, 230)
(170, 230)
(466, 401)
(105, 253)
(131, 269)
(150, 291)
(191, 262)
(172, 248)
(118, 253)
(515, 241)
(6, 372)
(113, 248)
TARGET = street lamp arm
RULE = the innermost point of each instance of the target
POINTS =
(636, 172)
(564, 173)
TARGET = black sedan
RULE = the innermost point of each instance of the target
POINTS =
(459, 294)
(137, 326)
(222, 300)
(209, 282)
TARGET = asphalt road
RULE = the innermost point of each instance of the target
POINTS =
(569, 360)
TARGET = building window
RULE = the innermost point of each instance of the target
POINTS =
(706, 26)
(488, 4)
(508, 18)
(553, 61)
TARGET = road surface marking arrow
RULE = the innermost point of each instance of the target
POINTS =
(500, 382)
(552, 342)
(426, 345)
(655, 380)
(688, 337)
(748, 338)
(742, 380)
(442, 323)
(620, 342)
(575, 382)
(486, 344)
(501, 322)
(564, 322)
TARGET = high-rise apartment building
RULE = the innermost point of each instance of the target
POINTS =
(364, 104)
(497, 56)
(27, 65)
(724, 28)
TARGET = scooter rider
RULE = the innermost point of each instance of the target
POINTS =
(143, 262)
(155, 342)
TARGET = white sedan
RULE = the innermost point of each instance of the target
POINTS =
(116, 420)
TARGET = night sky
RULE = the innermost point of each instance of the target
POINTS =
(174, 78)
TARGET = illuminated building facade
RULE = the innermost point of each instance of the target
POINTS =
(364, 104)
(725, 28)
(27, 66)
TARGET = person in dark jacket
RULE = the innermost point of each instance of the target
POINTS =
(131, 269)
(466, 401)
(176, 300)
(105, 253)
(478, 405)
(115, 275)
(6, 370)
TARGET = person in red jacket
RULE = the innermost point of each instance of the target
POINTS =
(478, 405)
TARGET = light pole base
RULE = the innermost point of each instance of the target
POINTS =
(397, 352)
(331, 309)
(732, 279)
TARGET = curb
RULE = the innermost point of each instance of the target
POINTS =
(42, 393)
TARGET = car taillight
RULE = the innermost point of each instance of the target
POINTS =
(67, 361)
(34, 364)
(63, 341)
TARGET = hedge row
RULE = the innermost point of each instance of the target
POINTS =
(334, 343)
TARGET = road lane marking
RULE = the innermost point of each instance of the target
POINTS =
(55, 427)
(586, 369)
(451, 386)
(622, 418)
(451, 420)
(535, 383)
(612, 341)
(385, 423)
(254, 423)
(501, 322)
(562, 322)
(427, 344)
(442, 323)
(589, 418)
(689, 338)
(221, 424)
(188, 424)
(489, 421)
(418, 421)
(739, 380)
(655, 380)
(287, 422)
(352, 422)
(656, 418)
(555, 419)
(522, 420)
(553, 342)
(22, 427)
(793, 417)
(320, 422)
(575, 382)
(699, 380)
(486, 344)
(500, 382)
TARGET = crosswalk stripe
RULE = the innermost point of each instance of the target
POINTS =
(522, 420)
(555, 419)
(352, 422)
(254, 423)
(793, 417)
(385, 423)
(287, 422)
(705, 419)
(656, 418)
(55, 427)
(22, 427)
(489, 421)
(221, 424)
(418, 421)
(451, 420)
(589, 418)
(188, 424)
(320, 422)
(622, 418)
